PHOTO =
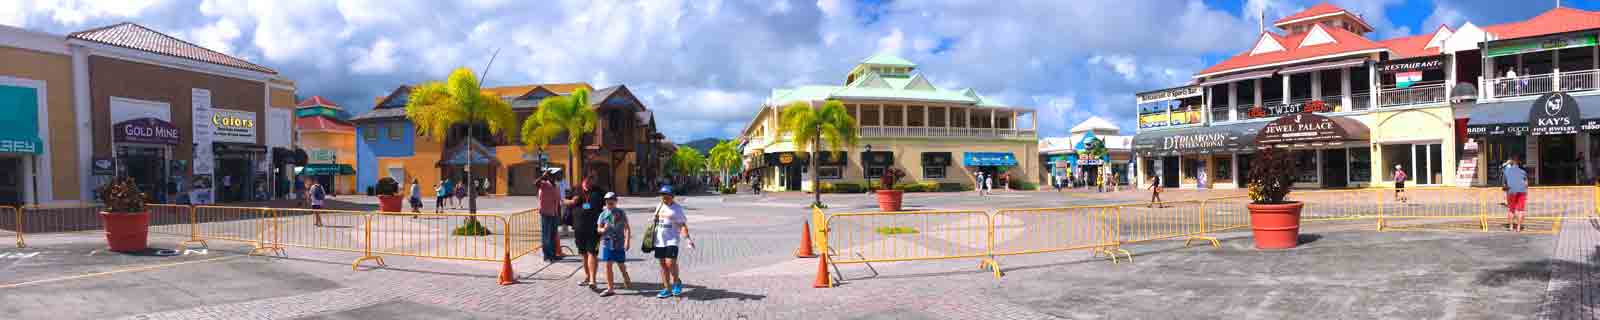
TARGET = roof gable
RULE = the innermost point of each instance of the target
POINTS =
(1317, 36)
(871, 80)
(1094, 123)
(395, 99)
(134, 36)
(317, 101)
(1346, 43)
(919, 83)
(1439, 36)
(1267, 43)
(888, 60)
(1315, 10)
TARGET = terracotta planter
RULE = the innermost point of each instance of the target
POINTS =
(126, 232)
(389, 203)
(890, 200)
(1275, 226)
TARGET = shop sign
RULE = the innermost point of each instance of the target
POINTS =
(1312, 106)
(1466, 171)
(786, 158)
(145, 130)
(1553, 113)
(234, 125)
(1412, 64)
(102, 166)
(1301, 128)
(202, 131)
(322, 156)
(1091, 162)
(1536, 45)
(1169, 94)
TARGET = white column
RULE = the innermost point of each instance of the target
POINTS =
(1319, 161)
(29, 177)
(1210, 103)
(1374, 87)
(1316, 85)
(1257, 88)
(1286, 94)
(81, 106)
(905, 115)
(1344, 88)
(1233, 101)
(1555, 71)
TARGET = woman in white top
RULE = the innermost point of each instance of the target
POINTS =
(671, 224)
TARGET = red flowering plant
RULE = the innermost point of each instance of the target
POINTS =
(1315, 106)
(1258, 112)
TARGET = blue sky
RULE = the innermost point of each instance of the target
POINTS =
(706, 65)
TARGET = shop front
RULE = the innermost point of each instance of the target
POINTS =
(20, 145)
(788, 169)
(1329, 151)
(991, 164)
(1182, 157)
(1554, 135)
(144, 140)
(241, 163)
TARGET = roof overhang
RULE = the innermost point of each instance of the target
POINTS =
(1292, 62)
(1363, 22)
(106, 50)
(1324, 66)
(1251, 75)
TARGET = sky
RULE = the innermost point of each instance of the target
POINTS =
(705, 66)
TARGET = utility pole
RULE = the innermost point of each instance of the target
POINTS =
(472, 193)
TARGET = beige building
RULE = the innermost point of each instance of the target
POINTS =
(933, 134)
(38, 137)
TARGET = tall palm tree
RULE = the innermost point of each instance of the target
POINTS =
(569, 114)
(810, 127)
(724, 157)
(436, 107)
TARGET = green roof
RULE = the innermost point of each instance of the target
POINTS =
(888, 59)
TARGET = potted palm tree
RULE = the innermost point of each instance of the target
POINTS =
(810, 127)
(126, 220)
(388, 195)
(1274, 221)
(889, 198)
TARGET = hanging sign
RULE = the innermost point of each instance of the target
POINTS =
(786, 158)
(234, 126)
(145, 130)
(1536, 45)
(1301, 128)
(1553, 113)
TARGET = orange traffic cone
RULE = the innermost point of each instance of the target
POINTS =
(805, 243)
(822, 274)
(507, 276)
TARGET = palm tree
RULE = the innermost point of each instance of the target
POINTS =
(570, 114)
(687, 162)
(724, 158)
(436, 107)
(810, 127)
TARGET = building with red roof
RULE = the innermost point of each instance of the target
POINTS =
(329, 142)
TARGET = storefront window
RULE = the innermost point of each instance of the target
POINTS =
(874, 172)
(1244, 167)
(932, 172)
(829, 172)
(1223, 171)
(1361, 164)
(1191, 170)
(395, 130)
(1424, 163)
(1306, 162)
(1396, 154)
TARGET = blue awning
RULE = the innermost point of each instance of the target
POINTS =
(979, 159)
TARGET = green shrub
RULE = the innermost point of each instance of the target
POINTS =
(472, 228)
(843, 187)
(926, 186)
(1023, 185)
(729, 190)
(954, 187)
(388, 187)
(895, 230)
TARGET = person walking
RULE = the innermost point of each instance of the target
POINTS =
(549, 216)
(461, 193)
(416, 197)
(1155, 191)
(449, 186)
(1400, 184)
(615, 235)
(988, 183)
(978, 181)
(1516, 189)
(591, 200)
(671, 225)
(317, 195)
(438, 198)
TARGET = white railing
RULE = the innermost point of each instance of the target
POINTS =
(1335, 103)
(1521, 86)
(1360, 101)
(1413, 95)
(874, 131)
(1578, 80)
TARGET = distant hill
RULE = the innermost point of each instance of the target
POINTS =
(703, 144)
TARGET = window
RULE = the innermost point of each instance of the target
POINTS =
(830, 172)
(1223, 171)
(1423, 163)
(1306, 161)
(1361, 164)
(933, 172)
(874, 172)
(395, 130)
(370, 132)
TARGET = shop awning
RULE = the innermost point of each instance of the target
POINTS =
(1214, 139)
(1324, 66)
(19, 125)
(325, 169)
(1241, 76)
(981, 159)
(1514, 118)
(1311, 129)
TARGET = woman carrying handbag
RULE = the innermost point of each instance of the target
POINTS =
(661, 238)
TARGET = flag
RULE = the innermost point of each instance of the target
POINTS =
(1406, 79)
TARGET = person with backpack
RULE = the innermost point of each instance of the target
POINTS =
(614, 238)
(317, 195)
(1400, 184)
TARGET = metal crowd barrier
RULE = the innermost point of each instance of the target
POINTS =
(1044, 230)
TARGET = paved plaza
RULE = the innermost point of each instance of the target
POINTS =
(744, 269)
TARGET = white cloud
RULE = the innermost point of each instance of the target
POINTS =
(379, 59)
(892, 43)
(217, 36)
(74, 12)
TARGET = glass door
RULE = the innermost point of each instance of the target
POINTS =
(1429, 163)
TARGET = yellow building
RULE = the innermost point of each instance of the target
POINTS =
(933, 134)
(329, 143)
(39, 144)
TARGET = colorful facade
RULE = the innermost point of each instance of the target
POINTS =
(934, 135)
(329, 142)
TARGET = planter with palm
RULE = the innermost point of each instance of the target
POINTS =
(126, 221)
(811, 127)
(437, 107)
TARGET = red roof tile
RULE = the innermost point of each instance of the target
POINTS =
(1346, 42)
(1555, 21)
(316, 100)
(323, 124)
(1413, 46)
(1316, 10)
(133, 36)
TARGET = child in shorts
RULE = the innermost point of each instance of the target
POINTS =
(614, 238)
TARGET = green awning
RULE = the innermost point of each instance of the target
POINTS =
(325, 169)
(19, 125)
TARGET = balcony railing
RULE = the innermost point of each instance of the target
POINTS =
(1413, 95)
(1578, 80)
(873, 131)
(1522, 86)
(1360, 101)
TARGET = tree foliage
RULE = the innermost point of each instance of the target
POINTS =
(688, 161)
(570, 114)
(811, 128)
(435, 106)
(724, 157)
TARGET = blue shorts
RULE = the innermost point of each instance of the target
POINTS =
(613, 255)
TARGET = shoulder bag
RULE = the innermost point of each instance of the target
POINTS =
(649, 243)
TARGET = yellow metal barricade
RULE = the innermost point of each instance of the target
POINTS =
(908, 236)
(37, 219)
(435, 235)
(335, 230)
(175, 220)
(524, 233)
(240, 224)
(1226, 214)
(11, 221)
(1162, 220)
(1029, 231)
(1330, 205)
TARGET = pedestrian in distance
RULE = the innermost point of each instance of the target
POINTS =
(615, 235)
(1400, 184)
(550, 208)
(671, 225)
(449, 186)
(317, 195)
(1516, 189)
(460, 193)
(586, 234)
(988, 183)
(416, 197)
(438, 198)
(1155, 192)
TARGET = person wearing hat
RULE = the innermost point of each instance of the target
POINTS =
(549, 214)
(1400, 184)
(671, 225)
(615, 235)
(585, 234)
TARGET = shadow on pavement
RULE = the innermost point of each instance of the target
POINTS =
(691, 292)
(1579, 276)
(1309, 238)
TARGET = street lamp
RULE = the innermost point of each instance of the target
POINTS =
(866, 177)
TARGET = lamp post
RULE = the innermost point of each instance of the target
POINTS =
(866, 177)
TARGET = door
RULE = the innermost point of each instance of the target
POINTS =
(10, 181)
(1169, 172)
(791, 174)
(1335, 163)
(1558, 160)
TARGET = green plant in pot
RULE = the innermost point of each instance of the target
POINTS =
(890, 199)
(1274, 221)
(388, 195)
(126, 221)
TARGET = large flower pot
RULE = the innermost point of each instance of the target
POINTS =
(1275, 226)
(389, 203)
(126, 232)
(890, 200)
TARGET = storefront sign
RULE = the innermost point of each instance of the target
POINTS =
(1169, 94)
(1466, 172)
(234, 126)
(102, 166)
(1536, 45)
(204, 159)
(1412, 64)
(1091, 162)
(1553, 113)
(1301, 128)
(1312, 106)
(786, 158)
(322, 156)
(146, 130)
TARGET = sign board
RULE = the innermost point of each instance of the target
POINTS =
(102, 166)
(1301, 128)
(1169, 94)
(234, 126)
(1466, 171)
(1412, 64)
(1553, 113)
(204, 160)
(1536, 45)
(786, 158)
(1091, 162)
(325, 156)
(145, 130)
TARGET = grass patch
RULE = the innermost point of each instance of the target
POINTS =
(889, 231)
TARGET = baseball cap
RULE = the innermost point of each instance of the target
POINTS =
(666, 190)
(611, 196)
